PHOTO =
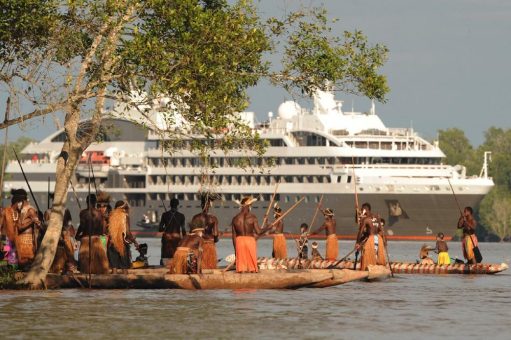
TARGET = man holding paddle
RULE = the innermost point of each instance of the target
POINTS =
(279, 240)
(469, 242)
(244, 228)
(329, 225)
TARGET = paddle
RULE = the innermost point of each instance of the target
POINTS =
(310, 225)
(265, 218)
(385, 245)
(264, 230)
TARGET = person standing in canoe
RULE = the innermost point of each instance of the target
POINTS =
(381, 252)
(329, 225)
(93, 224)
(244, 229)
(172, 225)
(442, 250)
(367, 239)
(468, 224)
(279, 240)
(120, 237)
(210, 224)
(27, 226)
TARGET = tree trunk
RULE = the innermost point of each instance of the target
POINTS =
(36, 276)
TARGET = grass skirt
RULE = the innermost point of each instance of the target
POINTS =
(332, 248)
(279, 246)
(368, 254)
(25, 249)
(99, 261)
(179, 263)
(381, 257)
(209, 256)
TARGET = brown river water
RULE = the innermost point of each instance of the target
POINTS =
(406, 306)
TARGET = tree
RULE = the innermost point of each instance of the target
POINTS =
(78, 57)
(495, 212)
(457, 148)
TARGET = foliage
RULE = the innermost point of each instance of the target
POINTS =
(495, 212)
(7, 277)
(17, 145)
(457, 148)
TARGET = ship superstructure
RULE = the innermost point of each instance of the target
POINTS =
(312, 153)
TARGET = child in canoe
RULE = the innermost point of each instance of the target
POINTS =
(442, 250)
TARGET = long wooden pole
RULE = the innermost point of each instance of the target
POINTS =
(455, 198)
(357, 213)
(282, 216)
(265, 218)
(385, 245)
(310, 225)
(89, 206)
(4, 157)
(27, 182)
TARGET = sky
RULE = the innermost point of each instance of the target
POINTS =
(448, 63)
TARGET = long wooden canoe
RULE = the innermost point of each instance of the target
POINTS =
(211, 279)
(397, 267)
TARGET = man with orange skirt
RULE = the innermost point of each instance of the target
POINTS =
(244, 229)
(329, 225)
(367, 238)
(279, 240)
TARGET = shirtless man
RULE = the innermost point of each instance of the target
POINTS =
(367, 237)
(172, 225)
(210, 224)
(468, 224)
(188, 255)
(28, 225)
(279, 240)
(91, 224)
(244, 228)
(329, 225)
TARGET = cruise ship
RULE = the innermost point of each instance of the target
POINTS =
(321, 154)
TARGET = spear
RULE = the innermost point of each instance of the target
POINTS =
(26, 181)
(281, 217)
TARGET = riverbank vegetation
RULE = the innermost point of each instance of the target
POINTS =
(494, 214)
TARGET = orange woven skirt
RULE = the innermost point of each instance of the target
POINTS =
(246, 254)
(209, 256)
(368, 254)
(178, 264)
(279, 246)
(332, 247)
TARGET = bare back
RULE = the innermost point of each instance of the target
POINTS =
(245, 223)
(172, 222)
(210, 224)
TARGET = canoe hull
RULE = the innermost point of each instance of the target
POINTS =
(213, 279)
(397, 267)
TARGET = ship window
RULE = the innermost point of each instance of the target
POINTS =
(287, 199)
(306, 200)
(316, 199)
(349, 179)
